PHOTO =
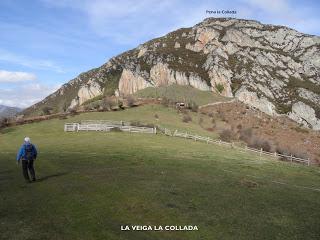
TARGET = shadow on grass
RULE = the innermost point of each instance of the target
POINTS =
(52, 176)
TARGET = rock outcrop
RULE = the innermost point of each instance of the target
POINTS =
(273, 68)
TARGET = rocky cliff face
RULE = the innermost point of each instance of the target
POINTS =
(272, 68)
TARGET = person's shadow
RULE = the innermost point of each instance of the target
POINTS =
(51, 176)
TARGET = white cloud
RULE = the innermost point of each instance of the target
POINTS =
(26, 94)
(13, 77)
(43, 64)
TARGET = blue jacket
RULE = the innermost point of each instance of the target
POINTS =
(22, 153)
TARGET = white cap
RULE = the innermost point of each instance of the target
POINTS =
(27, 139)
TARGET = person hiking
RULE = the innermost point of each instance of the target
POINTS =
(27, 154)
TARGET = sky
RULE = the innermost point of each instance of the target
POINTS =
(46, 43)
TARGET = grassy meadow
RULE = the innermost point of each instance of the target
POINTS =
(91, 183)
(179, 93)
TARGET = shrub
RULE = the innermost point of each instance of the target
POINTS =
(193, 106)
(285, 150)
(259, 143)
(301, 130)
(246, 135)
(120, 104)
(219, 87)
(4, 122)
(186, 118)
(226, 135)
(131, 101)
(63, 116)
(200, 121)
(107, 104)
(165, 102)
(73, 112)
(47, 110)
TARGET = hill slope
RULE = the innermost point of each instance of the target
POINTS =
(272, 68)
(6, 111)
(91, 183)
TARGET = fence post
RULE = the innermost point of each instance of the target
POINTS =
(208, 140)
(260, 152)
(291, 158)
(246, 148)
(308, 161)
(275, 154)
(155, 130)
(220, 142)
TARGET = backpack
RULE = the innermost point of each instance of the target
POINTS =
(28, 152)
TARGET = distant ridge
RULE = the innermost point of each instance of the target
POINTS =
(6, 111)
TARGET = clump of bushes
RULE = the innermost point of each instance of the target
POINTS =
(286, 150)
(226, 135)
(131, 102)
(200, 121)
(301, 130)
(247, 136)
(259, 143)
(219, 87)
(186, 118)
(165, 102)
(193, 106)
(4, 122)
(107, 104)
(47, 110)
(63, 116)
(73, 112)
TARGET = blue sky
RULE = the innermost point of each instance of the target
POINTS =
(45, 43)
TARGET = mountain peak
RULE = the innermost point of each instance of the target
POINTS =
(272, 68)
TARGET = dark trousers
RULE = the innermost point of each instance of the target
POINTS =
(28, 165)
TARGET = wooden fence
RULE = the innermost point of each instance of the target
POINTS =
(75, 127)
(208, 140)
(106, 122)
(107, 125)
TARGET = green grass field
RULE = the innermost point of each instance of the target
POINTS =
(91, 183)
(180, 93)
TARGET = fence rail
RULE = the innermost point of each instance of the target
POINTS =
(105, 122)
(246, 148)
(75, 127)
